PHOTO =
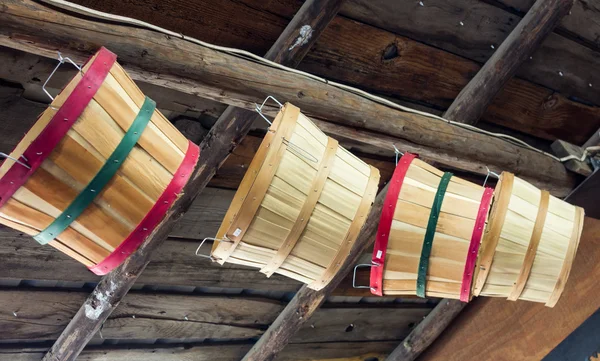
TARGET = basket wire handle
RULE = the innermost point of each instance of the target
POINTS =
(6, 156)
(298, 150)
(61, 60)
(214, 259)
(259, 108)
(489, 172)
(397, 152)
(362, 266)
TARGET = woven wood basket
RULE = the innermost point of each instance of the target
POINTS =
(97, 171)
(529, 244)
(300, 205)
(429, 233)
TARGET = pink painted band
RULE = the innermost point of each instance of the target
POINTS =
(385, 223)
(59, 125)
(484, 206)
(154, 216)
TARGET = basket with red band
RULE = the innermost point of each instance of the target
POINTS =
(98, 170)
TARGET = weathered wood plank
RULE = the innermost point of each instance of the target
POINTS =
(244, 83)
(484, 28)
(354, 53)
(42, 315)
(581, 24)
(522, 41)
(524, 330)
(339, 351)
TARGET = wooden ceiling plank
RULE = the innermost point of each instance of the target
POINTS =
(215, 75)
(163, 315)
(231, 127)
(485, 27)
(522, 42)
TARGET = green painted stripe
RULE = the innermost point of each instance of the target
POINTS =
(104, 175)
(430, 233)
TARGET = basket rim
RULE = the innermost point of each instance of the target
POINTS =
(248, 181)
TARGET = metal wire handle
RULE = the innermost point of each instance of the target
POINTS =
(6, 156)
(259, 108)
(211, 239)
(61, 60)
(489, 172)
(397, 151)
(362, 266)
(300, 152)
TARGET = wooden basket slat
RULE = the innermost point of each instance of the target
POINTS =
(34, 221)
(100, 130)
(122, 109)
(165, 126)
(123, 197)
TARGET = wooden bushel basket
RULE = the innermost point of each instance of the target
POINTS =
(98, 170)
(529, 245)
(300, 205)
(429, 233)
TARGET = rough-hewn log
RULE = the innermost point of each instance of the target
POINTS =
(197, 70)
(479, 93)
(427, 331)
(214, 149)
(472, 101)
(42, 315)
(306, 301)
(383, 62)
(524, 330)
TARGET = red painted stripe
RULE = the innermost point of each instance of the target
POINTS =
(58, 126)
(385, 223)
(484, 206)
(154, 216)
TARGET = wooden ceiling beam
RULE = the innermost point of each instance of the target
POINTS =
(467, 108)
(227, 132)
(473, 100)
(181, 65)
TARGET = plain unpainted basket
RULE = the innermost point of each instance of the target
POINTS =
(300, 205)
(529, 245)
(429, 233)
(98, 170)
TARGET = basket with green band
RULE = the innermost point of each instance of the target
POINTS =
(98, 170)
(429, 232)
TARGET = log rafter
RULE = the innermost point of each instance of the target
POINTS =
(208, 73)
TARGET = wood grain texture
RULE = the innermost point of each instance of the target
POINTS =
(522, 41)
(427, 331)
(338, 351)
(378, 60)
(243, 81)
(485, 28)
(41, 315)
(540, 328)
(581, 25)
